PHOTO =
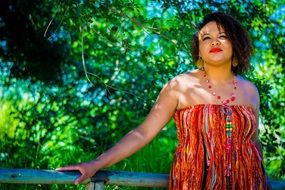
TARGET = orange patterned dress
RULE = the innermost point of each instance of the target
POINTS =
(201, 160)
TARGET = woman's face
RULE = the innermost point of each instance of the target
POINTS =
(214, 45)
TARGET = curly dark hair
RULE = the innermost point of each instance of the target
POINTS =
(241, 43)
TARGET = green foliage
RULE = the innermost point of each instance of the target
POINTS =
(83, 73)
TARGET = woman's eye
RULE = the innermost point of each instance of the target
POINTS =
(206, 38)
(223, 36)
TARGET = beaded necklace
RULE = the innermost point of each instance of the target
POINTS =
(225, 101)
(226, 109)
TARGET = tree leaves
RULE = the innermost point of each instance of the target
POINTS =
(77, 75)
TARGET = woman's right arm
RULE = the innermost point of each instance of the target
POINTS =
(160, 114)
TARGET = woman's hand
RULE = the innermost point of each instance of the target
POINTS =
(87, 170)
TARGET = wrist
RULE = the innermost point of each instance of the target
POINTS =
(101, 161)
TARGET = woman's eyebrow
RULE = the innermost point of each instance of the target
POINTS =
(204, 34)
(207, 34)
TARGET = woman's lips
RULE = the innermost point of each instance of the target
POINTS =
(215, 50)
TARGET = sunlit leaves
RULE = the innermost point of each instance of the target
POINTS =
(113, 58)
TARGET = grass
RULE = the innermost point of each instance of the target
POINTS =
(156, 157)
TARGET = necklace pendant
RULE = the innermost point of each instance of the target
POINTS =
(227, 110)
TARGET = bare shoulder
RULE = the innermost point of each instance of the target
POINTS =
(169, 97)
(182, 88)
(248, 85)
(250, 91)
(183, 80)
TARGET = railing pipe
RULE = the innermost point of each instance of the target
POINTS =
(32, 176)
(97, 182)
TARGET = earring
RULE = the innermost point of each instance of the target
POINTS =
(200, 63)
(234, 62)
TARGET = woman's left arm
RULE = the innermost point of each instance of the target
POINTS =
(256, 103)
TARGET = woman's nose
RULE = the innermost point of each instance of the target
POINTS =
(215, 42)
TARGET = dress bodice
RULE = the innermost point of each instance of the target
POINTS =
(201, 160)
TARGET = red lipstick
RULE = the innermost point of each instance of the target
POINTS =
(215, 50)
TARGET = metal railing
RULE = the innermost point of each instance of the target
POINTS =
(102, 178)
(97, 182)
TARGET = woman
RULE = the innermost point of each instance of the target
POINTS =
(216, 114)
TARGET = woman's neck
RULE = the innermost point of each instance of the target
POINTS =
(219, 74)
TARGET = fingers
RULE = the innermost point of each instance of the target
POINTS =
(80, 179)
(68, 168)
(82, 170)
